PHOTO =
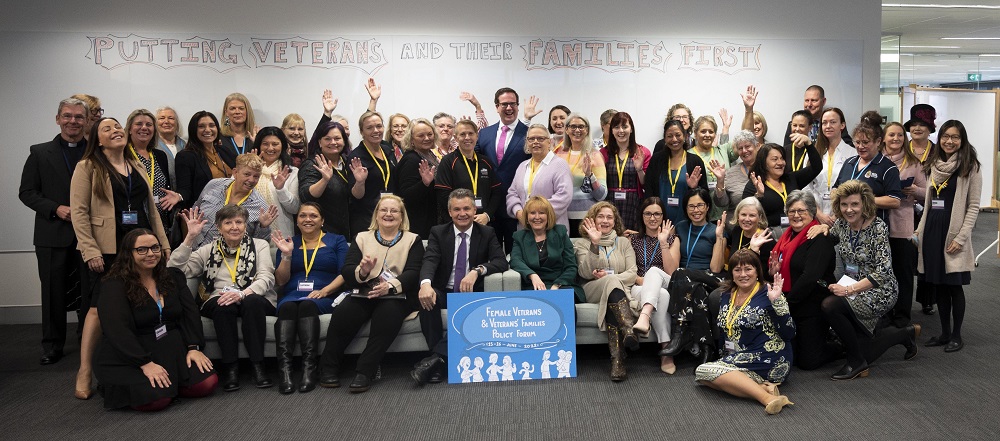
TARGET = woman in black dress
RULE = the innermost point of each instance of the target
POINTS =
(416, 172)
(151, 351)
(326, 179)
(770, 182)
(378, 160)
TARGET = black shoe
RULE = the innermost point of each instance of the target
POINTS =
(680, 340)
(231, 377)
(284, 344)
(937, 341)
(954, 345)
(849, 373)
(438, 376)
(360, 384)
(329, 381)
(50, 357)
(309, 342)
(422, 372)
(913, 332)
(260, 378)
(927, 310)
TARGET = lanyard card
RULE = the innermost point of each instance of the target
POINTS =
(130, 218)
(306, 285)
(620, 196)
(937, 204)
(161, 331)
(784, 221)
(673, 202)
(479, 202)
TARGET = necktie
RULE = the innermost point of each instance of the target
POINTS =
(461, 256)
(502, 142)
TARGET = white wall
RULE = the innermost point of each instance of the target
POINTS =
(845, 24)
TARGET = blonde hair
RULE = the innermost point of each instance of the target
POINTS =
(225, 130)
(404, 224)
(534, 203)
(250, 160)
(855, 187)
(408, 136)
(388, 133)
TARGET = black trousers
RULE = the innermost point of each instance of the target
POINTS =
(432, 327)
(904, 266)
(861, 346)
(386, 316)
(59, 273)
(254, 310)
(812, 350)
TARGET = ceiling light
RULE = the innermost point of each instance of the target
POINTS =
(890, 58)
(989, 55)
(970, 38)
(931, 47)
(937, 6)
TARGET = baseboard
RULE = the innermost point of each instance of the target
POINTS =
(26, 315)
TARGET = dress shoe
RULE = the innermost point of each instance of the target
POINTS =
(331, 380)
(937, 341)
(774, 407)
(260, 378)
(437, 376)
(422, 372)
(667, 365)
(849, 373)
(954, 345)
(913, 332)
(642, 325)
(50, 357)
(231, 377)
(927, 310)
(83, 394)
(360, 384)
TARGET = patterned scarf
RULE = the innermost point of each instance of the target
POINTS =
(941, 171)
(246, 265)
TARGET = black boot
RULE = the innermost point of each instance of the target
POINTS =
(309, 342)
(680, 339)
(284, 342)
(260, 377)
(231, 377)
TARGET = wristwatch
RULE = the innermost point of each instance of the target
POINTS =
(481, 270)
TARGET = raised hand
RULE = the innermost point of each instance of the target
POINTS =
(758, 183)
(530, 108)
(467, 96)
(774, 263)
(590, 227)
(359, 171)
(324, 167)
(267, 216)
(718, 169)
(374, 90)
(774, 289)
(585, 164)
(694, 177)
(726, 118)
(427, 172)
(279, 179)
(366, 265)
(284, 244)
(720, 227)
(329, 102)
(195, 221)
(799, 139)
(750, 97)
(759, 238)
(252, 133)
(666, 230)
(638, 159)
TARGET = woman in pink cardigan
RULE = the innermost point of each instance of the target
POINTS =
(543, 174)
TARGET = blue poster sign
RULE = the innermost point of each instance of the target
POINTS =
(514, 335)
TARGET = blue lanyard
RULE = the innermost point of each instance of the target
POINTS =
(128, 196)
(689, 246)
(647, 262)
(158, 305)
(237, 148)
(607, 253)
(862, 172)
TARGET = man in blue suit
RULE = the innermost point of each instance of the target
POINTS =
(503, 144)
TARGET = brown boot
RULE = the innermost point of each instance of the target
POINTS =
(617, 354)
(623, 313)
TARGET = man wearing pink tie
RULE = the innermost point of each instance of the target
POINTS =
(503, 144)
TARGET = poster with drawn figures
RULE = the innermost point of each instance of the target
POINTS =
(506, 336)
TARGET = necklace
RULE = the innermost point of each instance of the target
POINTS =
(388, 243)
(540, 245)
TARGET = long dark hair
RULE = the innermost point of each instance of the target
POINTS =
(103, 170)
(616, 121)
(194, 144)
(125, 269)
(323, 130)
(276, 132)
(680, 125)
(760, 162)
(648, 202)
(968, 160)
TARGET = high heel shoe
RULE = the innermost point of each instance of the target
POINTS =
(774, 406)
(83, 394)
(849, 373)
(642, 331)
(913, 332)
(667, 365)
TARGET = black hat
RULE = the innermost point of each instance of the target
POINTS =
(924, 114)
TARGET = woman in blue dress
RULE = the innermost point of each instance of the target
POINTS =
(308, 265)
(757, 336)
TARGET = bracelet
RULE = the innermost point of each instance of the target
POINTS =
(243, 295)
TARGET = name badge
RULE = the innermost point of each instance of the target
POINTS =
(156, 199)
(712, 185)
(826, 196)
(161, 331)
(784, 221)
(619, 195)
(383, 194)
(852, 270)
(673, 202)
(937, 204)
(306, 285)
(231, 288)
(479, 203)
(484, 172)
(730, 347)
(609, 271)
(130, 217)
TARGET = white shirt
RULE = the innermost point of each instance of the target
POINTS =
(819, 186)
(510, 134)
(527, 170)
(458, 241)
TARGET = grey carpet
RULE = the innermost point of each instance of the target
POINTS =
(934, 396)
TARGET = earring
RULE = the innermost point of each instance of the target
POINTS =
(226, 121)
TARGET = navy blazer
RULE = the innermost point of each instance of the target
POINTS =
(44, 187)
(483, 248)
(513, 156)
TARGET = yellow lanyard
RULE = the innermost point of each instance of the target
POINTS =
(903, 165)
(620, 166)
(152, 164)
(385, 172)
(829, 169)
(938, 188)
(474, 177)
(801, 159)
(926, 151)
(229, 192)
(674, 178)
(232, 269)
(578, 159)
(308, 264)
(783, 193)
(731, 317)
(740, 245)
(531, 177)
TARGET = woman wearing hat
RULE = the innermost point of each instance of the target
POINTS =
(920, 126)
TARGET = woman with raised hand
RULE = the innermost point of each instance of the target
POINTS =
(705, 147)
(673, 171)
(151, 350)
(331, 179)
(757, 340)
(730, 182)
(590, 182)
(241, 190)
(625, 163)
(377, 158)
(770, 182)
(606, 263)
(279, 179)
(308, 267)
(951, 206)
(236, 281)
(416, 171)
(657, 253)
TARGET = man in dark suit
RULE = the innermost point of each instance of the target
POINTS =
(503, 144)
(457, 256)
(45, 189)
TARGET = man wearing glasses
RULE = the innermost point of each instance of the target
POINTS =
(45, 189)
(503, 144)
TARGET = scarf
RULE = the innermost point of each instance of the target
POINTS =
(608, 240)
(786, 247)
(246, 265)
(941, 171)
(298, 153)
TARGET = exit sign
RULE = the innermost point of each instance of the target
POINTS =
(975, 77)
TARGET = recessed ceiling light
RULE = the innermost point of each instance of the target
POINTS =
(989, 55)
(970, 38)
(937, 6)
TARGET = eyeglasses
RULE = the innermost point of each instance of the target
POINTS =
(798, 212)
(955, 138)
(142, 251)
(700, 206)
(681, 117)
(577, 127)
(98, 112)
(506, 104)
(651, 215)
(388, 211)
(537, 139)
